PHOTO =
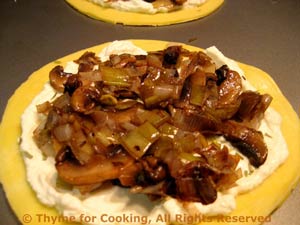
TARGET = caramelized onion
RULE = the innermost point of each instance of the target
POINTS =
(194, 121)
(63, 132)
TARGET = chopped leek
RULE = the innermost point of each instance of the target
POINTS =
(198, 82)
(115, 76)
(155, 117)
(197, 95)
(105, 136)
(137, 141)
(186, 143)
(189, 157)
(168, 129)
(162, 146)
(162, 93)
(102, 138)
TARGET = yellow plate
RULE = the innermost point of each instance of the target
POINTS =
(141, 19)
(259, 202)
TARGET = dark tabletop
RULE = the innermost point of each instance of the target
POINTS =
(264, 33)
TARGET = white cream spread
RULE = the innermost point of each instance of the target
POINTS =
(142, 6)
(117, 205)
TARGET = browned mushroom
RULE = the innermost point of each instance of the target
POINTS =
(249, 141)
(98, 170)
(83, 98)
(58, 78)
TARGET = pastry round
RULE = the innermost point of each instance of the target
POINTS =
(115, 16)
(259, 202)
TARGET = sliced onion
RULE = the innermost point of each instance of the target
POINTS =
(154, 61)
(100, 117)
(44, 107)
(63, 133)
(192, 121)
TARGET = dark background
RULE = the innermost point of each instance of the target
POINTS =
(264, 33)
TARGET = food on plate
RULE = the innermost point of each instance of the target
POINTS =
(144, 122)
(144, 12)
(149, 6)
(153, 129)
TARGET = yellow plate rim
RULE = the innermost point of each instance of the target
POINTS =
(115, 16)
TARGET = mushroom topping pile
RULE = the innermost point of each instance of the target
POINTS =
(149, 123)
(169, 5)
